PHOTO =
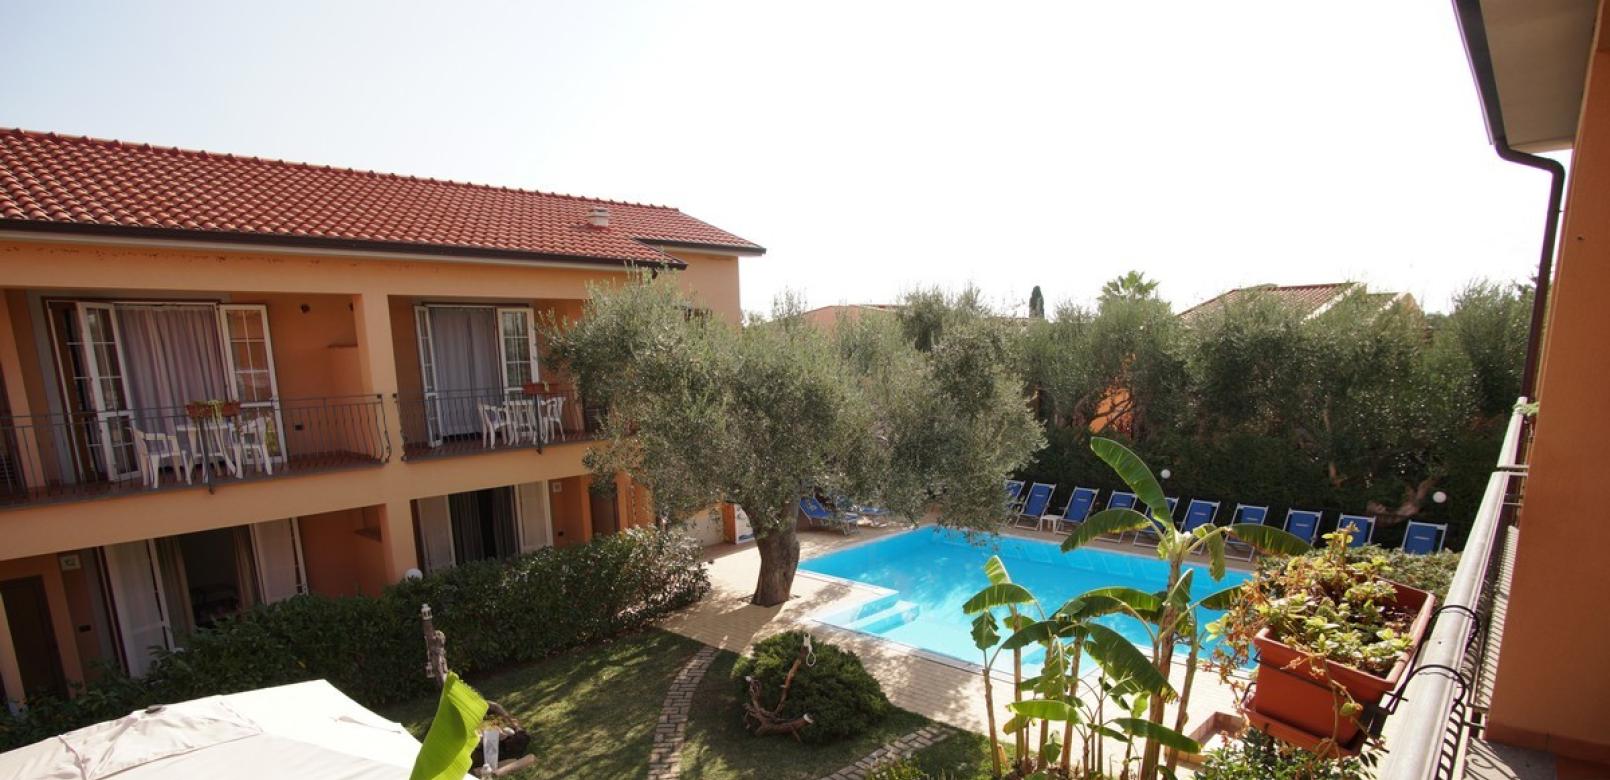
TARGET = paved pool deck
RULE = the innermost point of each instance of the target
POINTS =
(933, 686)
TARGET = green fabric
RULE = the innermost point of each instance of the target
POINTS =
(453, 734)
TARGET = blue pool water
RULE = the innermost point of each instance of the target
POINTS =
(933, 571)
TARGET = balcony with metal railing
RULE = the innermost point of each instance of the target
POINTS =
(471, 422)
(1437, 714)
(84, 455)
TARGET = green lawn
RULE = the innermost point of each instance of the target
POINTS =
(591, 713)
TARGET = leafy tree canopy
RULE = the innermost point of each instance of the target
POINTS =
(907, 413)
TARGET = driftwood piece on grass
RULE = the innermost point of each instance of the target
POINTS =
(435, 648)
(764, 721)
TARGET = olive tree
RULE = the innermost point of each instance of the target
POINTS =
(700, 411)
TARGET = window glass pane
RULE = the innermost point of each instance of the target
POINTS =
(246, 324)
(258, 351)
(254, 386)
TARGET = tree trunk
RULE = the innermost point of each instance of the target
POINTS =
(1163, 660)
(1181, 719)
(779, 558)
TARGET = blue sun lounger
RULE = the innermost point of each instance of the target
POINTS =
(1424, 538)
(1014, 490)
(1303, 524)
(1198, 513)
(1080, 502)
(1120, 500)
(1363, 529)
(1245, 514)
(1037, 504)
(1149, 536)
(820, 517)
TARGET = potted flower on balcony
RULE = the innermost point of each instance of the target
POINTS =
(213, 409)
(1332, 637)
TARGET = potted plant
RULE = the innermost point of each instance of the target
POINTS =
(1332, 635)
(212, 409)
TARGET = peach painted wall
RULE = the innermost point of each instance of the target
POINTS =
(48, 569)
(571, 515)
(315, 352)
(342, 554)
(81, 601)
(712, 281)
(1552, 690)
(384, 358)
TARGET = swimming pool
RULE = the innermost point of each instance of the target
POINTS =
(929, 573)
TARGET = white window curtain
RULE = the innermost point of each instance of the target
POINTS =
(173, 356)
(139, 602)
(468, 368)
(279, 559)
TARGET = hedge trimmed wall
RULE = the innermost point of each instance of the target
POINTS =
(494, 613)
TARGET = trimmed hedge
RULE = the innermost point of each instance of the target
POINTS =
(1269, 471)
(494, 613)
(841, 696)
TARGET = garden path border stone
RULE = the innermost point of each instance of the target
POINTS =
(904, 746)
(665, 760)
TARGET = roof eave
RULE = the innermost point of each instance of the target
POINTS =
(1528, 59)
(100, 233)
(742, 250)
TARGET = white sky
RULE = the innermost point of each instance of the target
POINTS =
(871, 146)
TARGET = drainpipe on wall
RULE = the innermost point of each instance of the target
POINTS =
(1474, 31)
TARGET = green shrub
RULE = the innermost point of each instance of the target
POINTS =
(494, 613)
(1432, 573)
(1259, 758)
(842, 699)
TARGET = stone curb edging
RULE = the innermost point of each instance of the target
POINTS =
(664, 761)
(910, 743)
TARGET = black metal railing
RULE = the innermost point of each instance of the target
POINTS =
(1433, 712)
(465, 422)
(79, 455)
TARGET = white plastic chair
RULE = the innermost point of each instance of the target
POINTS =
(553, 410)
(494, 420)
(522, 416)
(151, 448)
(251, 444)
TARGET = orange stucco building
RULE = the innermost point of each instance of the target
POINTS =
(226, 381)
(1542, 69)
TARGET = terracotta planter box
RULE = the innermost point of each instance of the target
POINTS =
(196, 411)
(1300, 699)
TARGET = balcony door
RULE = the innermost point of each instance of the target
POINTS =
(471, 355)
(249, 363)
(99, 378)
(163, 590)
(130, 366)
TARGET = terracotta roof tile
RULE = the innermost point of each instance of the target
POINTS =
(50, 181)
(1304, 298)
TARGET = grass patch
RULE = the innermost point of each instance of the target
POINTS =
(591, 712)
(719, 748)
(961, 756)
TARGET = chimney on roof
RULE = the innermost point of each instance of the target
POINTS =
(598, 217)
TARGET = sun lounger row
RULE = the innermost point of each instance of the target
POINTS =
(1034, 507)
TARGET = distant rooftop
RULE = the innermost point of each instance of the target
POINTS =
(1306, 299)
(71, 184)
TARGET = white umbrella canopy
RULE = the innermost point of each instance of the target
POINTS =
(305, 730)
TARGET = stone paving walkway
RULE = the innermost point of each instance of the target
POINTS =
(664, 761)
(904, 746)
